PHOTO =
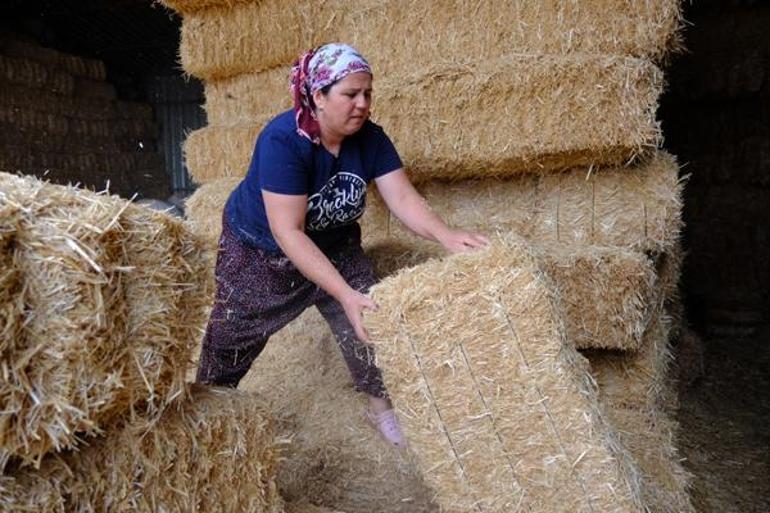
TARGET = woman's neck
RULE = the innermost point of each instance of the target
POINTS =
(331, 143)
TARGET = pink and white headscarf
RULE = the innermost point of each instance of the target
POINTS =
(314, 70)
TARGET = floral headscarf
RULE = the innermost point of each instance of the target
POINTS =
(314, 70)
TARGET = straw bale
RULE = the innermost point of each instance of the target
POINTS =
(548, 102)
(651, 437)
(37, 143)
(62, 124)
(96, 89)
(30, 120)
(334, 458)
(34, 75)
(502, 117)
(72, 64)
(639, 207)
(214, 152)
(203, 209)
(19, 97)
(500, 411)
(241, 98)
(227, 41)
(113, 297)
(636, 208)
(217, 452)
(10, 317)
(637, 379)
(185, 7)
(609, 295)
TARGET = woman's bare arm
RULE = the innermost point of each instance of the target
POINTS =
(286, 217)
(411, 209)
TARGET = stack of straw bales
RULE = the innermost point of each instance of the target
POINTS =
(101, 304)
(60, 117)
(533, 122)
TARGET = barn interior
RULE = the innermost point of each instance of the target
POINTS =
(135, 106)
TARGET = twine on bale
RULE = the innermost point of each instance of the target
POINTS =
(543, 402)
(446, 348)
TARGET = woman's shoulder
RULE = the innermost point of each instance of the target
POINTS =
(282, 124)
(282, 129)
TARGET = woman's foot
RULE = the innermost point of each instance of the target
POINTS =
(382, 417)
(387, 424)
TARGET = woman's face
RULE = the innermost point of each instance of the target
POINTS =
(344, 109)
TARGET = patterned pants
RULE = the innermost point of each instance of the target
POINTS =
(259, 292)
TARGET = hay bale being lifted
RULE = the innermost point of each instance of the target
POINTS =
(217, 452)
(608, 295)
(223, 42)
(333, 458)
(498, 407)
(111, 297)
(503, 117)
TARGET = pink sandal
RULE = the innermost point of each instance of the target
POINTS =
(388, 426)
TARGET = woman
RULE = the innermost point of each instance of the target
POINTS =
(290, 238)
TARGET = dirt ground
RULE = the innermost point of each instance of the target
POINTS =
(725, 425)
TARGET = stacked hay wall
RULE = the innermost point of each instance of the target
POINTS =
(60, 118)
(563, 87)
(102, 305)
(215, 452)
(499, 409)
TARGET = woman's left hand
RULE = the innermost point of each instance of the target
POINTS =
(460, 241)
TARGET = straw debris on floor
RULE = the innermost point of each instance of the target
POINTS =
(108, 300)
(222, 42)
(333, 458)
(499, 409)
(216, 452)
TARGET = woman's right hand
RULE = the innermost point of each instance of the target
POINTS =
(354, 303)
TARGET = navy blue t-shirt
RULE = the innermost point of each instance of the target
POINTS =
(286, 163)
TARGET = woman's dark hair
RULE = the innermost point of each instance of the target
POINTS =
(324, 91)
